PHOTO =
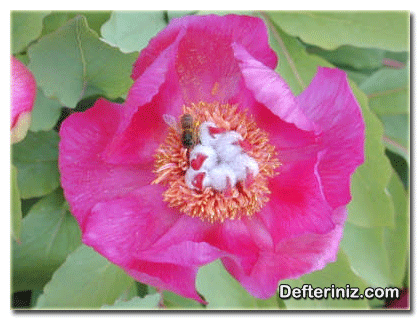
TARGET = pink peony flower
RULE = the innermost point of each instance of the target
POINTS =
(23, 93)
(263, 188)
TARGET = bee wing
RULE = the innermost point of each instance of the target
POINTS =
(171, 121)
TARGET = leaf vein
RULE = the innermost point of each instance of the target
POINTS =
(56, 229)
(386, 92)
(82, 56)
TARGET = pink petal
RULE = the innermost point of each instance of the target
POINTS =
(297, 207)
(295, 233)
(23, 93)
(142, 129)
(270, 89)
(241, 241)
(142, 235)
(275, 109)
(297, 204)
(187, 253)
(292, 143)
(166, 276)
(85, 175)
(124, 227)
(234, 238)
(160, 43)
(22, 89)
(291, 258)
(181, 65)
(330, 103)
(205, 64)
(304, 229)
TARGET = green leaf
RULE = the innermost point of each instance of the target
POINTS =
(45, 113)
(272, 303)
(397, 133)
(335, 275)
(387, 30)
(222, 291)
(95, 19)
(35, 157)
(15, 204)
(295, 65)
(131, 31)
(58, 19)
(141, 289)
(225, 12)
(386, 82)
(388, 93)
(148, 302)
(370, 205)
(400, 166)
(357, 76)
(27, 204)
(130, 293)
(22, 57)
(49, 234)
(178, 14)
(26, 26)
(72, 63)
(398, 56)
(367, 253)
(349, 56)
(35, 294)
(86, 280)
(397, 238)
(174, 301)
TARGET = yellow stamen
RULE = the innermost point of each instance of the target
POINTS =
(171, 163)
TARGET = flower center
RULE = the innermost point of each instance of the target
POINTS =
(224, 173)
(218, 161)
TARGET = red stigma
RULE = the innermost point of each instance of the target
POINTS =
(197, 162)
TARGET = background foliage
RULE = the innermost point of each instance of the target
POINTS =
(77, 57)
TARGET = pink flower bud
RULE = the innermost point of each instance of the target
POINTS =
(23, 93)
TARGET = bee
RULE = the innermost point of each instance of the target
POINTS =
(187, 129)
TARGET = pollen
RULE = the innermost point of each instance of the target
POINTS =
(225, 175)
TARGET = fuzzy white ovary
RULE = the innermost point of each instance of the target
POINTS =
(222, 177)
(240, 165)
(211, 156)
(206, 138)
(225, 162)
(190, 175)
(226, 148)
